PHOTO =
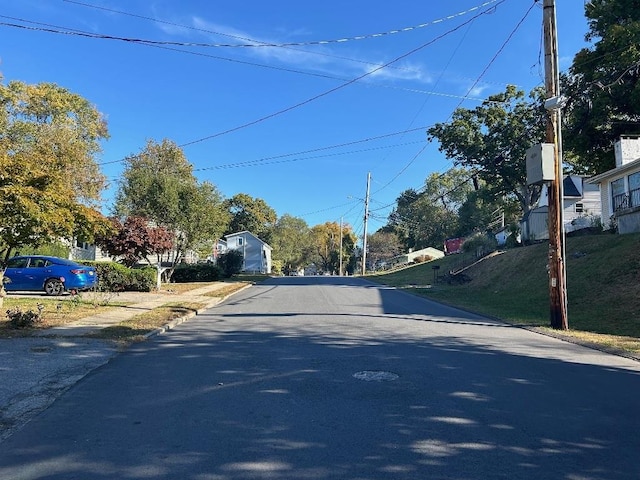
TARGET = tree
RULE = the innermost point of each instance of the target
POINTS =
(482, 212)
(427, 218)
(50, 183)
(383, 246)
(231, 262)
(290, 240)
(251, 214)
(325, 241)
(136, 240)
(491, 140)
(158, 184)
(602, 86)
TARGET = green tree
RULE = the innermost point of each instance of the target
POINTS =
(325, 241)
(50, 182)
(492, 139)
(427, 218)
(602, 86)
(251, 214)
(290, 240)
(159, 184)
(482, 211)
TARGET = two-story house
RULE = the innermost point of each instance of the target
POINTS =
(255, 252)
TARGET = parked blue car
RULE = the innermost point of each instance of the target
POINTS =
(52, 275)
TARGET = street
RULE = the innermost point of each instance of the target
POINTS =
(337, 378)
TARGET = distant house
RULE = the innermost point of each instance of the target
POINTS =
(413, 255)
(581, 208)
(620, 187)
(256, 253)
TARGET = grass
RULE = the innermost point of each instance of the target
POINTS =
(54, 313)
(603, 287)
(57, 312)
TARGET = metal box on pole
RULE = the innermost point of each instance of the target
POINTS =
(540, 164)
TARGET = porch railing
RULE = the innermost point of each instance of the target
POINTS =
(626, 200)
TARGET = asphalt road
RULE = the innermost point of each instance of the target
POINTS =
(334, 378)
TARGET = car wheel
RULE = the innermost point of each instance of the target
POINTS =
(53, 286)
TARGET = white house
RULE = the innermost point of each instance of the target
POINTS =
(256, 253)
(411, 256)
(581, 208)
(620, 187)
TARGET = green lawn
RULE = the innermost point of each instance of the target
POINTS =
(603, 284)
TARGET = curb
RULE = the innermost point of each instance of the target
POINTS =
(177, 321)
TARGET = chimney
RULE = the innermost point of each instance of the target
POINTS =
(627, 149)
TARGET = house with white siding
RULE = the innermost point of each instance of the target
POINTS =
(581, 209)
(620, 187)
(256, 253)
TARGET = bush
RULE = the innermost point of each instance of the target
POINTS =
(231, 262)
(201, 272)
(480, 244)
(29, 319)
(115, 277)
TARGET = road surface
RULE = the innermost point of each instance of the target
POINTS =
(309, 378)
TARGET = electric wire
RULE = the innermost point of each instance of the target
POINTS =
(254, 43)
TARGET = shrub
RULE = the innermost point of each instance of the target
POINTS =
(115, 277)
(231, 262)
(29, 319)
(480, 244)
(201, 272)
(142, 279)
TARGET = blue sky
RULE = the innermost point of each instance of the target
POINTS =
(289, 101)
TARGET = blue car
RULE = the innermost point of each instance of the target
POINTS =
(51, 275)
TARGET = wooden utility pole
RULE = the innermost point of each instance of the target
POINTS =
(366, 221)
(557, 277)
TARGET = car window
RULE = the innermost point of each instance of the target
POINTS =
(37, 263)
(17, 263)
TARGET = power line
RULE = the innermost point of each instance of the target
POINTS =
(254, 43)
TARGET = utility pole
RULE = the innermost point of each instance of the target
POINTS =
(557, 276)
(366, 221)
(340, 252)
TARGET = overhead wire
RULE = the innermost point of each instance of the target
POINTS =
(254, 43)
(491, 62)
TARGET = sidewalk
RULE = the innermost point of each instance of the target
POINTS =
(36, 370)
(140, 303)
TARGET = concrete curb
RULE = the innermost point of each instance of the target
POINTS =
(177, 321)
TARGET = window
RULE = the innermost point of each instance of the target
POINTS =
(17, 263)
(634, 189)
(240, 241)
(618, 195)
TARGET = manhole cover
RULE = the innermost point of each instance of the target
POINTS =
(375, 376)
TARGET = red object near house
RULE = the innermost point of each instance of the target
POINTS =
(453, 245)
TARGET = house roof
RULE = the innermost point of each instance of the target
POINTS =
(247, 232)
(627, 167)
(569, 188)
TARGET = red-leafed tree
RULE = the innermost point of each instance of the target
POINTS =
(136, 240)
